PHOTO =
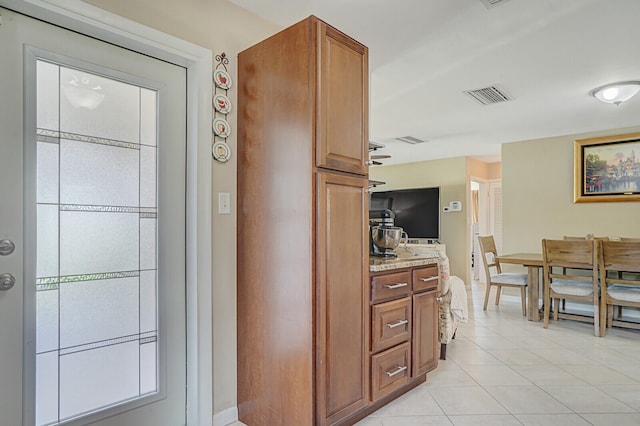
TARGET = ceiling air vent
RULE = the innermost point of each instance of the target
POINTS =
(410, 139)
(488, 95)
(491, 3)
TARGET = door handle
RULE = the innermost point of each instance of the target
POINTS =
(398, 323)
(7, 281)
(6, 247)
(394, 286)
(399, 369)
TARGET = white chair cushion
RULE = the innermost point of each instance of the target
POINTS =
(627, 293)
(510, 278)
(572, 288)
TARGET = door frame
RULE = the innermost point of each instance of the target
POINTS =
(95, 22)
(483, 222)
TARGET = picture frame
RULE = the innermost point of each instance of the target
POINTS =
(607, 169)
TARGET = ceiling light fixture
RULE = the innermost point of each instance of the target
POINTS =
(616, 93)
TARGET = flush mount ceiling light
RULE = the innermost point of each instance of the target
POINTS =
(616, 93)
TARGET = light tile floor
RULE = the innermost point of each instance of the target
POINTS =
(504, 370)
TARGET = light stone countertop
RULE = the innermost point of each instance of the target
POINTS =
(378, 264)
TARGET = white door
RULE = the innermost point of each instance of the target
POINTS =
(92, 231)
(495, 212)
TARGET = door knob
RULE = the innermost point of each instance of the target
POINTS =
(6, 247)
(7, 281)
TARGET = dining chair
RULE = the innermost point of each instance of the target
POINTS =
(570, 269)
(619, 280)
(586, 237)
(500, 279)
(620, 273)
(567, 237)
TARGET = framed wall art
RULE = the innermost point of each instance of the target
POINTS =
(607, 169)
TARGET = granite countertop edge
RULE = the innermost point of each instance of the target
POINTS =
(381, 264)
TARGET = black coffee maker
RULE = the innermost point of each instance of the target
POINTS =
(383, 217)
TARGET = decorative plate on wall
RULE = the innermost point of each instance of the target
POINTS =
(222, 79)
(221, 151)
(221, 103)
(221, 127)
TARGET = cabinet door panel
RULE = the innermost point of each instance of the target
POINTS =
(425, 338)
(343, 103)
(342, 296)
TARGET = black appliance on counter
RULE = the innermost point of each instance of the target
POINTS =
(417, 211)
(385, 218)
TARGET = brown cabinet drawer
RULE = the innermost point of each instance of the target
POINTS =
(425, 278)
(390, 323)
(390, 286)
(390, 370)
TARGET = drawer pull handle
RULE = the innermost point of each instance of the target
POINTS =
(426, 280)
(398, 324)
(394, 286)
(439, 299)
(398, 370)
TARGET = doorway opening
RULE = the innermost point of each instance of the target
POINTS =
(485, 199)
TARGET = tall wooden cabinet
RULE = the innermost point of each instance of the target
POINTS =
(303, 309)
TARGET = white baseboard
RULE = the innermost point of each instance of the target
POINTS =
(225, 417)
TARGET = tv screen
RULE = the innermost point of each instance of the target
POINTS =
(417, 210)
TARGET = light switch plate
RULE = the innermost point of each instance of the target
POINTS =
(224, 203)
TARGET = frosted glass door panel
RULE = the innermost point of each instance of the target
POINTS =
(147, 176)
(148, 123)
(47, 321)
(96, 282)
(98, 174)
(148, 297)
(98, 378)
(148, 243)
(148, 381)
(100, 107)
(94, 242)
(48, 160)
(47, 248)
(48, 109)
(47, 390)
(87, 307)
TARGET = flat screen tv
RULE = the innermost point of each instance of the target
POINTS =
(417, 211)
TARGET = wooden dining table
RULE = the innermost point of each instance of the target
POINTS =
(533, 262)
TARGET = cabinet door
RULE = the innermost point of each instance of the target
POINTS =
(342, 297)
(425, 335)
(343, 102)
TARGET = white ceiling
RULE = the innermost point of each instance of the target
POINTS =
(544, 54)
